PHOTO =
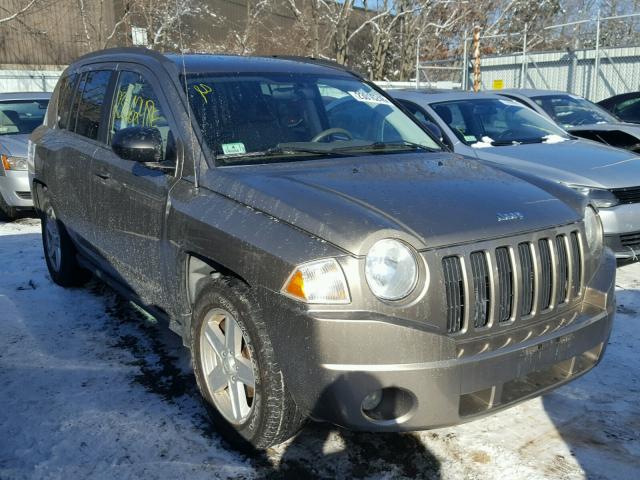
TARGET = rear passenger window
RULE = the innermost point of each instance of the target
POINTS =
(137, 105)
(92, 90)
(65, 97)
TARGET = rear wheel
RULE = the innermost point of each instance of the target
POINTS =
(9, 213)
(236, 371)
(59, 251)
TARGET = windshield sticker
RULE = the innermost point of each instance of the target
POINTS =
(485, 142)
(470, 138)
(509, 103)
(554, 139)
(203, 89)
(370, 97)
(233, 148)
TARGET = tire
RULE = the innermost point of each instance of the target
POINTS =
(61, 255)
(6, 212)
(273, 417)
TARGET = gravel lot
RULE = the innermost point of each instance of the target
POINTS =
(89, 388)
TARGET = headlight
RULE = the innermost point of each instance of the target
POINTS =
(13, 163)
(593, 231)
(321, 281)
(599, 197)
(391, 270)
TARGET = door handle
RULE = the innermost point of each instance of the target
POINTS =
(102, 175)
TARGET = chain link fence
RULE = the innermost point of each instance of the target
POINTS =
(595, 58)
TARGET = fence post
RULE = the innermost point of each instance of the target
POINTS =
(465, 61)
(596, 62)
(523, 73)
(476, 59)
(418, 63)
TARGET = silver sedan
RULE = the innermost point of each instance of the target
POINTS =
(504, 132)
(20, 114)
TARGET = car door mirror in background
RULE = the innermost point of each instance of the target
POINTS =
(138, 144)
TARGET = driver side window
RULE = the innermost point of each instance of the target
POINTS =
(136, 104)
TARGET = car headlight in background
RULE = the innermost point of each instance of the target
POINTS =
(599, 197)
(320, 281)
(593, 231)
(391, 269)
(13, 163)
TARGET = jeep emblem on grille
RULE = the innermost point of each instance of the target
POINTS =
(509, 216)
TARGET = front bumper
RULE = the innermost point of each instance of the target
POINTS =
(333, 362)
(14, 188)
(622, 229)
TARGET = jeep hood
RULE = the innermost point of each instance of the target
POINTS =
(578, 162)
(429, 199)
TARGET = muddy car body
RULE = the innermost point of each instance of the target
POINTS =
(375, 281)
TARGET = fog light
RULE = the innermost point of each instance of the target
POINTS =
(372, 400)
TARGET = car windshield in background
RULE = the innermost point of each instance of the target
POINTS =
(489, 121)
(257, 118)
(21, 116)
(570, 111)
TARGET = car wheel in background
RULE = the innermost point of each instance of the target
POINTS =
(236, 371)
(59, 251)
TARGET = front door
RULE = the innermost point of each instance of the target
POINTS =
(129, 198)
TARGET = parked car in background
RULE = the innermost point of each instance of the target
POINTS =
(625, 106)
(20, 114)
(501, 130)
(318, 251)
(579, 116)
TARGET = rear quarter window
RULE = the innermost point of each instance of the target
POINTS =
(91, 95)
(65, 97)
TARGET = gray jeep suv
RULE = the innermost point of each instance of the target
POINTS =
(319, 253)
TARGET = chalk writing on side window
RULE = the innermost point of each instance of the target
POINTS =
(203, 89)
(135, 110)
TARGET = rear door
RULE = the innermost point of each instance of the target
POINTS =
(71, 147)
(130, 199)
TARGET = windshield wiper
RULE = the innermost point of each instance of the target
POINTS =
(385, 145)
(279, 150)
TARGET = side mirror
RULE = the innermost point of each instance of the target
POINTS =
(138, 144)
(433, 128)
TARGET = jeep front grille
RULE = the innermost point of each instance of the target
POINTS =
(511, 282)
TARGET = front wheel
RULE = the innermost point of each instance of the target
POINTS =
(235, 368)
(59, 251)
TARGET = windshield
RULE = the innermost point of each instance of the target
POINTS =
(21, 116)
(256, 118)
(571, 111)
(493, 121)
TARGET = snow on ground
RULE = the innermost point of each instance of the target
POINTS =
(89, 388)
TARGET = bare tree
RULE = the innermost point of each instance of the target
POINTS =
(98, 23)
(17, 13)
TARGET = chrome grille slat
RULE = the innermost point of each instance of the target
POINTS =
(577, 262)
(481, 289)
(454, 286)
(528, 278)
(546, 280)
(505, 284)
(563, 269)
